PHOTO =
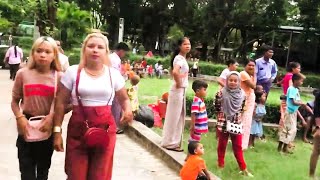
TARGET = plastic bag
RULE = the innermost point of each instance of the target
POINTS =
(145, 116)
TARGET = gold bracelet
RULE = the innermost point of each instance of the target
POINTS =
(18, 117)
(57, 129)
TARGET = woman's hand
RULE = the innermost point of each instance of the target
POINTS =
(46, 123)
(22, 124)
(127, 118)
(58, 142)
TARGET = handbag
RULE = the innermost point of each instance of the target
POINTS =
(233, 126)
(94, 136)
(35, 123)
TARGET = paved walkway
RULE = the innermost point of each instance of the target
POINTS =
(131, 160)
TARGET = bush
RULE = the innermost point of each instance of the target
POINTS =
(24, 42)
(273, 111)
(312, 81)
(211, 69)
(74, 56)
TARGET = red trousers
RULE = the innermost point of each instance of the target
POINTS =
(82, 163)
(236, 146)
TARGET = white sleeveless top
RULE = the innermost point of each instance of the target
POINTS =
(93, 91)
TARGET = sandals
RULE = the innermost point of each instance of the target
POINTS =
(307, 141)
(119, 131)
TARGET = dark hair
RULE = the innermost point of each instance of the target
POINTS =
(122, 46)
(250, 60)
(231, 61)
(258, 96)
(15, 51)
(292, 65)
(297, 77)
(198, 84)
(192, 146)
(315, 92)
(265, 48)
(317, 105)
(177, 49)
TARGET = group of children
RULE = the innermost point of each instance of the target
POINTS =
(229, 105)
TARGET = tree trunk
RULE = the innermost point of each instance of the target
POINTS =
(204, 50)
(52, 12)
(243, 49)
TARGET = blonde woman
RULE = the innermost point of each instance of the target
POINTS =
(92, 85)
(34, 88)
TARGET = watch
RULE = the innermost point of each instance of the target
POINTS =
(57, 129)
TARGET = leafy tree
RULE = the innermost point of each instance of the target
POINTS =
(73, 23)
(175, 33)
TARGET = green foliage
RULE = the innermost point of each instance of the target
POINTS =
(24, 42)
(5, 25)
(74, 56)
(175, 33)
(73, 23)
(312, 81)
(273, 110)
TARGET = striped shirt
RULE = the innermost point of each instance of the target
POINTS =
(199, 108)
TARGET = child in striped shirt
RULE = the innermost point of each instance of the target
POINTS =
(199, 118)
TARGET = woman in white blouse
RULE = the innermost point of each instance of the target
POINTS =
(92, 85)
(176, 109)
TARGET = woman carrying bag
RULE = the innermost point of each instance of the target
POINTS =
(35, 88)
(92, 85)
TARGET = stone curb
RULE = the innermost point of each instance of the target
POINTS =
(151, 141)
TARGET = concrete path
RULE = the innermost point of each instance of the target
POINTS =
(131, 160)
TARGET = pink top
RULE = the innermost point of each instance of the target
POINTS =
(36, 91)
(285, 82)
(244, 76)
(12, 57)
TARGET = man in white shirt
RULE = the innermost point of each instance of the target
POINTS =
(64, 60)
(115, 59)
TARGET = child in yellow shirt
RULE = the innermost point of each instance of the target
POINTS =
(133, 93)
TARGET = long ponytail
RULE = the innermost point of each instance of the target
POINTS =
(175, 53)
(15, 51)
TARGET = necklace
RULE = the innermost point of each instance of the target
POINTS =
(95, 74)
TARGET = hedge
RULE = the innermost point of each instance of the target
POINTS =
(212, 69)
(273, 111)
(207, 68)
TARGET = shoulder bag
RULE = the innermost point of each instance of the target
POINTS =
(94, 137)
(35, 123)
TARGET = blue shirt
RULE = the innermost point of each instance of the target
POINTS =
(266, 70)
(292, 93)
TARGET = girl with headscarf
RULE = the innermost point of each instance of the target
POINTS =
(229, 103)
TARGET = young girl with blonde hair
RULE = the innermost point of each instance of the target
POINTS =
(35, 88)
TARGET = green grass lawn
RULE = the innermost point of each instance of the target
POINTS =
(264, 161)
(151, 89)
